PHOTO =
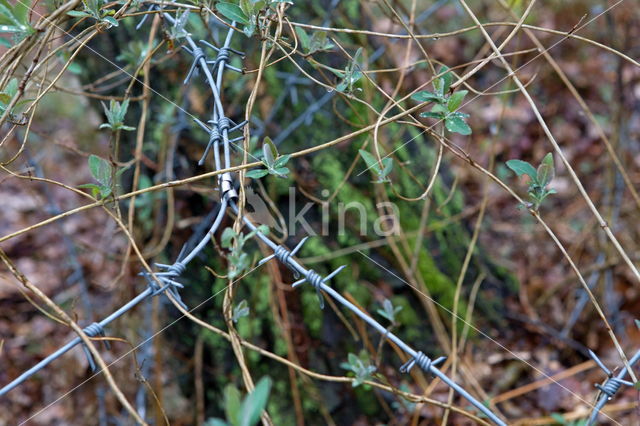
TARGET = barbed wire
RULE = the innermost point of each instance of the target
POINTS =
(165, 281)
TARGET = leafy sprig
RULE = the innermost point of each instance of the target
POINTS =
(318, 41)
(14, 19)
(539, 178)
(389, 311)
(446, 106)
(350, 75)
(103, 173)
(246, 411)
(360, 368)
(115, 116)
(235, 241)
(6, 96)
(240, 310)
(93, 9)
(272, 160)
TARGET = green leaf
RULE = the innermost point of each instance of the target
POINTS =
(5, 98)
(457, 124)
(269, 151)
(111, 20)
(387, 163)
(232, 404)
(546, 172)
(77, 13)
(247, 7)
(227, 237)
(305, 42)
(100, 169)
(440, 108)
(522, 168)
(456, 99)
(257, 173)
(282, 160)
(10, 29)
(436, 115)
(281, 171)
(426, 96)
(447, 78)
(21, 11)
(255, 403)
(232, 12)
(370, 160)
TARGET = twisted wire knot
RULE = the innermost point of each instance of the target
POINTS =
(611, 386)
(282, 254)
(167, 281)
(422, 360)
(93, 330)
(314, 278)
(197, 54)
(223, 55)
(224, 124)
(316, 281)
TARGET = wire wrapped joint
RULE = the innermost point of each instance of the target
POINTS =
(93, 330)
(423, 361)
(197, 54)
(613, 384)
(167, 280)
(228, 191)
(223, 56)
(284, 255)
(316, 281)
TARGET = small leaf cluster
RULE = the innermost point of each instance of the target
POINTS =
(272, 160)
(245, 411)
(235, 241)
(6, 96)
(247, 12)
(92, 9)
(360, 368)
(373, 164)
(240, 310)
(389, 311)
(14, 19)
(115, 116)
(445, 108)
(316, 43)
(102, 172)
(539, 179)
(350, 75)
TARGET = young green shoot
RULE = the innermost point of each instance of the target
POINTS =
(115, 116)
(92, 9)
(446, 106)
(538, 179)
(234, 241)
(360, 369)
(272, 160)
(102, 172)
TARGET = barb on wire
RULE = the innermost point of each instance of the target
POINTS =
(611, 385)
(93, 330)
(223, 56)
(422, 361)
